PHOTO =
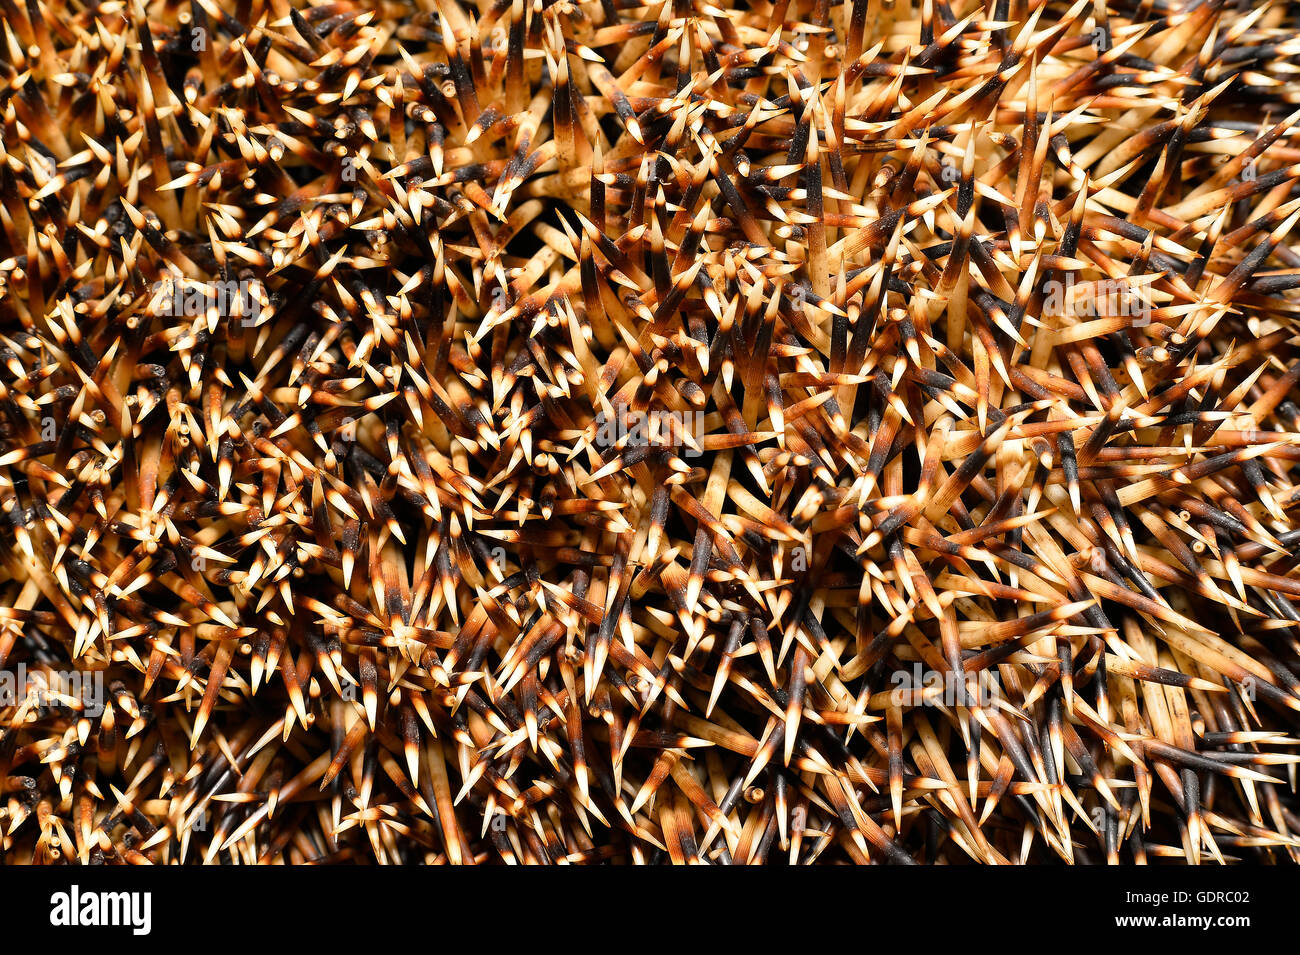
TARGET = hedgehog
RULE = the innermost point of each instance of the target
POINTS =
(747, 432)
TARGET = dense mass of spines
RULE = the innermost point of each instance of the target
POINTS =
(540, 431)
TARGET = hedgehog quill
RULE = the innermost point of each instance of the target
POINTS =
(744, 433)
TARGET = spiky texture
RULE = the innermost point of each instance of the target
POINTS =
(540, 431)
